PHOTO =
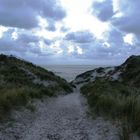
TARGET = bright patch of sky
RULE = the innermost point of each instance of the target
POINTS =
(71, 49)
(129, 39)
(15, 35)
(106, 45)
(79, 17)
(2, 30)
(79, 50)
(42, 22)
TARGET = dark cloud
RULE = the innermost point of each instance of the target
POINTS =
(48, 42)
(23, 13)
(27, 38)
(130, 20)
(103, 10)
(114, 37)
(80, 37)
(51, 26)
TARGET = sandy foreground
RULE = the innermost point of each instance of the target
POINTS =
(59, 118)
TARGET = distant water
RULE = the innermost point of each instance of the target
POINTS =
(69, 72)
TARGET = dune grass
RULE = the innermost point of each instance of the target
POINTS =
(115, 100)
(11, 98)
(17, 86)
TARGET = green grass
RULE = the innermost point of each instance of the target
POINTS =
(17, 85)
(114, 100)
(117, 100)
(131, 75)
(13, 97)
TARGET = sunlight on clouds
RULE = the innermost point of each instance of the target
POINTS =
(2, 30)
(53, 49)
(14, 35)
(115, 5)
(43, 33)
(71, 30)
(71, 49)
(56, 47)
(106, 45)
(42, 45)
(128, 39)
(79, 50)
(79, 17)
(116, 8)
(42, 22)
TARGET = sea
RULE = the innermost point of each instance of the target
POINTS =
(69, 72)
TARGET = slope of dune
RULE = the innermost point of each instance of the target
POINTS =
(114, 92)
(21, 81)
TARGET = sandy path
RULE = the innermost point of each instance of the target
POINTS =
(62, 118)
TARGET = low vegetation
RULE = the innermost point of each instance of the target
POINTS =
(21, 81)
(119, 100)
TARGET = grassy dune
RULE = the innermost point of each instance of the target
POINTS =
(21, 81)
(118, 99)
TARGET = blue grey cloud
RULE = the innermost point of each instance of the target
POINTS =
(103, 10)
(26, 43)
(48, 42)
(80, 37)
(96, 49)
(129, 22)
(51, 26)
(27, 38)
(115, 37)
(23, 13)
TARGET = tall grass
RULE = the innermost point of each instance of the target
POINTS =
(17, 85)
(115, 100)
(13, 97)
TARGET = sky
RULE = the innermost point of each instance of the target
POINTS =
(99, 32)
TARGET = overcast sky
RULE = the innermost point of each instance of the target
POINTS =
(70, 31)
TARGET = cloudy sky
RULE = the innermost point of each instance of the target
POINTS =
(70, 31)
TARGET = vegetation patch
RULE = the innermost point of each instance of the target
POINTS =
(18, 86)
(115, 100)
(118, 99)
